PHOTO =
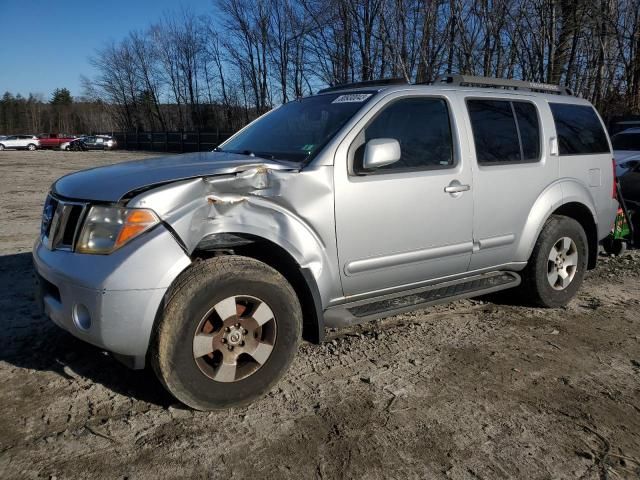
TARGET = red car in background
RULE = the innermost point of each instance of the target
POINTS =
(53, 140)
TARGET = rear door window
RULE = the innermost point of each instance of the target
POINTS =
(579, 130)
(504, 131)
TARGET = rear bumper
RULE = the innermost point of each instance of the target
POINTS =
(110, 301)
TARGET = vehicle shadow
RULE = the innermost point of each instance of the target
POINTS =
(29, 340)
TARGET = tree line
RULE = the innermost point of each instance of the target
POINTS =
(61, 113)
(218, 71)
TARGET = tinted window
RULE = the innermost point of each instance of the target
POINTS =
(504, 131)
(421, 126)
(626, 141)
(579, 130)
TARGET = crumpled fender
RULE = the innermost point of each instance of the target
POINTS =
(287, 208)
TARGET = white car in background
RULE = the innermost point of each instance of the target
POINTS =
(28, 142)
(626, 149)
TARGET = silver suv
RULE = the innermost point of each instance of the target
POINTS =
(28, 142)
(359, 202)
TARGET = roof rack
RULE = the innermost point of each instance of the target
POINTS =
(369, 83)
(473, 81)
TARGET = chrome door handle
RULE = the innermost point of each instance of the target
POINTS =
(456, 188)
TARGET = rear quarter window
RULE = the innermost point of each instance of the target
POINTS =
(579, 130)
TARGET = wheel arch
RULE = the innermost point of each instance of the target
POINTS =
(301, 278)
(567, 198)
(581, 214)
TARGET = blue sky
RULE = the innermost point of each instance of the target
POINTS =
(45, 45)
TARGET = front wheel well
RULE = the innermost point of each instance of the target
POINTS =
(278, 258)
(580, 213)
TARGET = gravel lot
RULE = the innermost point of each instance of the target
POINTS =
(475, 389)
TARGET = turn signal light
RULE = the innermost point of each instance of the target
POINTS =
(135, 223)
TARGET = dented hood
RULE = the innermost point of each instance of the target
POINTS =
(113, 182)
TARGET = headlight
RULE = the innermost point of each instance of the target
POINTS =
(108, 228)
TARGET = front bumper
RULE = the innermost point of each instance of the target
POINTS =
(110, 301)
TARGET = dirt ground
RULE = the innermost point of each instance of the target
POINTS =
(471, 390)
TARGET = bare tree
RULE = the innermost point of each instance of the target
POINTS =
(189, 72)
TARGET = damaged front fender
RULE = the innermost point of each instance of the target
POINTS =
(292, 209)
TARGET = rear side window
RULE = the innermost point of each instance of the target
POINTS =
(421, 126)
(579, 130)
(504, 131)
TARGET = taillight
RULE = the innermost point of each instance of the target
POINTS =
(614, 191)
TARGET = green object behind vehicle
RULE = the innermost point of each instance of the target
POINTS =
(621, 228)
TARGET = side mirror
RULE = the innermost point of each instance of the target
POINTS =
(380, 152)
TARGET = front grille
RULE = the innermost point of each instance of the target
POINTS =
(61, 223)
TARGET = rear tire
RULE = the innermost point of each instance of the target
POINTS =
(556, 268)
(205, 351)
(1, 147)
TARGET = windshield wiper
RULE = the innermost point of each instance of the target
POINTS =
(251, 153)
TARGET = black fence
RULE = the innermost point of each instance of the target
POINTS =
(170, 141)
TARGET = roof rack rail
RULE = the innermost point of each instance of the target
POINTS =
(369, 83)
(473, 81)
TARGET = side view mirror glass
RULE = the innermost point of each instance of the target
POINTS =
(380, 152)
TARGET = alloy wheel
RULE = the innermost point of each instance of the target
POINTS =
(235, 338)
(562, 263)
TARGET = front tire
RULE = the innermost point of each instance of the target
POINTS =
(557, 265)
(229, 331)
(1, 147)
(31, 147)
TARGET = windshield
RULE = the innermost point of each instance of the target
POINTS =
(626, 141)
(298, 129)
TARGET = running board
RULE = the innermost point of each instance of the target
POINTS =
(387, 305)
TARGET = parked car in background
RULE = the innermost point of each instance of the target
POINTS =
(20, 142)
(630, 191)
(73, 144)
(622, 125)
(100, 142)
(92, 142)
(626, 150)
(54, 140)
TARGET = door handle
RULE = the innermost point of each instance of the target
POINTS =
(456, 187)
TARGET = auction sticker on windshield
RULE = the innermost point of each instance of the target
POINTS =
(353, 97)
